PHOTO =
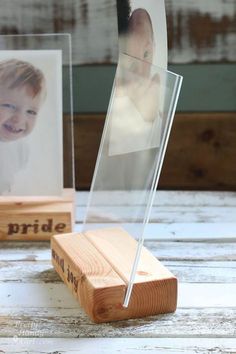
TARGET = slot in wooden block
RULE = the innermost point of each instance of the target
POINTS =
(96, 267)
(36, 218)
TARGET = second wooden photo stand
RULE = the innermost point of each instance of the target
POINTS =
(36, 218)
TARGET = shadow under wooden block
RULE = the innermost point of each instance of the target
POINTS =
(36, 218)
(96, 267)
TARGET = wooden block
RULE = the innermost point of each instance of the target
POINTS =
(36, 218)
(96, 266)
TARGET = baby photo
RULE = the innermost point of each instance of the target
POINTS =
(142, 30)
(31, 123)
(136, 114)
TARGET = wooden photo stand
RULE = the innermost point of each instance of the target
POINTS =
(96, 267)
(36, 218)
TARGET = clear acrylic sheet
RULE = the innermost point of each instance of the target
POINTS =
(132, 150)
(50, 156)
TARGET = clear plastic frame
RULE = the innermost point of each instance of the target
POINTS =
(36, 115)
(132, 151)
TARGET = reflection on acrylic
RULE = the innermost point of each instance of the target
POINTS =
(142, 30)
(137, 127)
(136, 116)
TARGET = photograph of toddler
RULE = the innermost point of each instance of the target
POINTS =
(22, 91)
(136, 112)
(23, 95)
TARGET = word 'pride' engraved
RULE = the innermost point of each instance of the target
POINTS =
(36, 227)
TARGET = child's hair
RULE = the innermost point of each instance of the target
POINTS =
(17, 73)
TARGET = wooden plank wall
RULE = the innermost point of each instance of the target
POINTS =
(199, 31)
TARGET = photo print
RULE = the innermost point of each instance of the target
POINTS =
(31, 123)
(136, 109)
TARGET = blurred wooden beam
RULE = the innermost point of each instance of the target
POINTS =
(200, 154)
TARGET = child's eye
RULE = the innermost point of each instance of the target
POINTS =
(32, 112)
(8, 105)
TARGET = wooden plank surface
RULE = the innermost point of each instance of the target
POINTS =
(177, 214)
(188, 271)
(182, 251)
(73, 323)
(202, 144)
(191, 199)
(191, 295)
(35, 304)
(199, 216)
(198, 31)
(118, 345)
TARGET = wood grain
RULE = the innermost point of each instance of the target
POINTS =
(198, 32)
(202, 31)
(32, 218)
(200, 154)
(97, 268)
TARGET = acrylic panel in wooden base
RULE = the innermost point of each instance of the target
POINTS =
(36, 218)
(96, 267)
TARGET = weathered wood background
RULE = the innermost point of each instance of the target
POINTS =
(199, 31)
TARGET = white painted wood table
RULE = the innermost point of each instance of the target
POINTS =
(192, 233)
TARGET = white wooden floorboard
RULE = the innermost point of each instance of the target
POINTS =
(164, 198)
(175, 214)
(73, 323)
(196, 251)
(221, 232)
(206, 295)
(117, 345)
(57, 295)
(185, 271)
(33, 254)
(164, 214)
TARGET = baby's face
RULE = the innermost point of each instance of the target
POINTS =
(140, 43)
(18, 112)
